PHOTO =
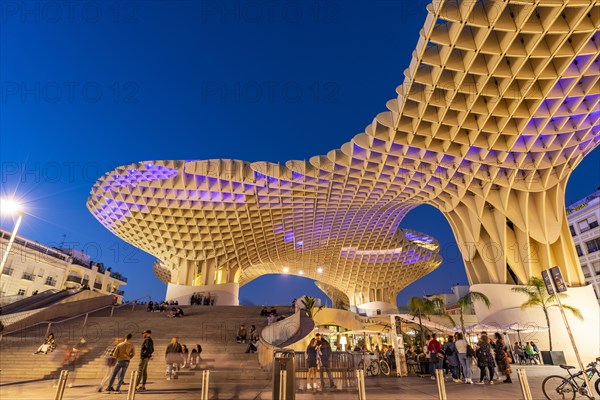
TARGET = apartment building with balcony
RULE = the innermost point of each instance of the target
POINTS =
(33, 267)
(583, 217)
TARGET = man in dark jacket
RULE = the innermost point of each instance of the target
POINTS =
(324, 352)
(145, 356)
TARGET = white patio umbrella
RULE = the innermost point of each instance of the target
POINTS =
(478, 328)
(525, 328)
(426, 323)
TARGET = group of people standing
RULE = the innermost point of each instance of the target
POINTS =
(202, 299)
(118, 355)
(117, 358)
(489, 354)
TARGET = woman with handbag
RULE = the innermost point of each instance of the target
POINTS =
(502, 357)
(465, 356)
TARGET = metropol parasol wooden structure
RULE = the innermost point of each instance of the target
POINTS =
(499, 104)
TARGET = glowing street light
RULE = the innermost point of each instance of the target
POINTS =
(12, 208)
(286, 270)
(9, 207)
(320, 270)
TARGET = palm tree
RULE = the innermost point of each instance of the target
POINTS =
(535, 289)
(467, 301)
(422, 307)
(309, 306)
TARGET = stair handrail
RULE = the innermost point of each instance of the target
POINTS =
(266, 347)
(86, 314)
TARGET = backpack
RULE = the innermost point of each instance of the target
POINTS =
(470, 352)
(448, 351)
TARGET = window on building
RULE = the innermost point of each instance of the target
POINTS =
(579, 251)
(21, 292)
(593, 245)
(588, 223)
(50, 281)
(28, 276)
(596, 267)
(586, 271)
(572, 229)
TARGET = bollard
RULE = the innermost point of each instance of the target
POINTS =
(131, 390)
(524, 384)
(112, 310)
(62, 382)
(360, 376)
(282, 384)
(85, 320)
(441, 384)
(205, 380)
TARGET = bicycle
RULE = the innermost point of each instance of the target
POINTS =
(561, 388)
(371, 367)
(375, 366)
(384, 367)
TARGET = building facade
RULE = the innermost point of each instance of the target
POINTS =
(498, 106)
(33, 267)
(583, 217)
(450, 299)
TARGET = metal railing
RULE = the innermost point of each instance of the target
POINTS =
(85, 315)
(272, 335)
(117, 275)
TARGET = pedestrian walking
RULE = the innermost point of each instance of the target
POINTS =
(109, 362)
(145, 357)
(173, 358)
(123, 353)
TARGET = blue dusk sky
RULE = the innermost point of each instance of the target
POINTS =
(88, 86)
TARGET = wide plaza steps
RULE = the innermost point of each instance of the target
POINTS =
(213, 327)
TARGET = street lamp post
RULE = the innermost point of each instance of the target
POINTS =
(11, 208)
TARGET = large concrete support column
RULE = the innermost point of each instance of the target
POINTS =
(506, 309)
(225, 294)
(511, 235)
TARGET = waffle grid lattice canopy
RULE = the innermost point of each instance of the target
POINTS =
(500, 102)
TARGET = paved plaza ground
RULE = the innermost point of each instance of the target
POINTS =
(378, 388)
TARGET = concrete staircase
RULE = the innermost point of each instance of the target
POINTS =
(213, 327)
